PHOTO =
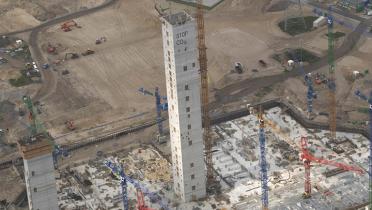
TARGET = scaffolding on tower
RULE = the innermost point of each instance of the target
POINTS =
(208, 142)
(36, 128)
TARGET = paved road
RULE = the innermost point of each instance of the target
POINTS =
(49, 77)
(236, 91)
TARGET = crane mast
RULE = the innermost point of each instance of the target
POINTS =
(307, 158)
(263, 163)
(204, 93)
(331, 71)
(118, 171)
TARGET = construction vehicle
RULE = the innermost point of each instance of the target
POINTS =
(87, 52)
(57, 62)
(100, 40)
(28, 66)
(51, 49)
(45, 66)
(34, 67)
(66, 26)
(161, 105)
(307, 158)
(262, 63)
(71, 56)
(119, 173)
(70, 125)
(238, 68)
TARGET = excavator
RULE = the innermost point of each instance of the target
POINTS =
(70, 125)
(66, 26)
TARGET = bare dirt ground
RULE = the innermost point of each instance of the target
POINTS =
(103, 87)
(12, 182)
(10, 100)
(348, 104)
(22, 14)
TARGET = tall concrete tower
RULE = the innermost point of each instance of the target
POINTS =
(39, 172)
(183, 94)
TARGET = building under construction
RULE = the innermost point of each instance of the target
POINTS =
(183, 91)
(39, 172)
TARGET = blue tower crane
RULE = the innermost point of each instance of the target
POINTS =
(160, 106)
(369, 100)
(263, 164)
(124, 180)
(119, 173)
(310, 95)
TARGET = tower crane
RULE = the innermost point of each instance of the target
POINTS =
(161, 105)
(36, 127)
(369, 100)
(263, 164)
(118, 171)
(331, 71)
(141, 201)
(310, 95)
(208, 142)
(307, 158)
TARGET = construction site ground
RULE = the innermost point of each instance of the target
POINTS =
(100, 93)
(103, 87)
(236, 162)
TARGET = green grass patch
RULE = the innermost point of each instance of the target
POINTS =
(193, 4)
(363, 110)
(21, 80)
(337, 35)
(296, 26)
(295, 54)
(301, 54)
(25, 54)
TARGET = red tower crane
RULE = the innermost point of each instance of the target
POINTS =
(141, 201)
(307, 158)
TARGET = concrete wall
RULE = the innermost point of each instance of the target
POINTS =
(41, 183)
(183, 93)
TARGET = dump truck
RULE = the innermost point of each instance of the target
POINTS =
(100, 40)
